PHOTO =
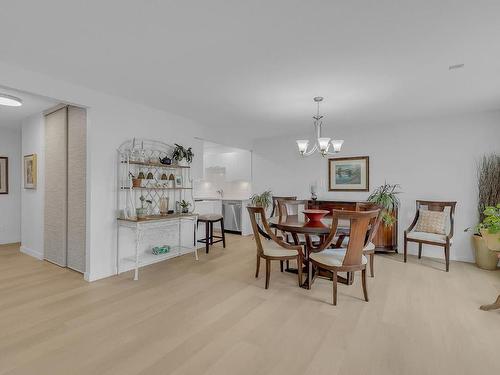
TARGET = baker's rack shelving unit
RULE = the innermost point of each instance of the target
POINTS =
(142, 156)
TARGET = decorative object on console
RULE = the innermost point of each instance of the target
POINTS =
(349, 174)
(178, 181)
(30, 171)
(182, 155)
(165, 161)
(184, 206)
(4, 175)
(314, 191)
(322, 144)
(315, 215)
(386, 196)
(164, 206)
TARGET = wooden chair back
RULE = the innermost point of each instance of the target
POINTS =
(291, 207)
(257, 214)
(275, 211)
(439, 206)
(374, 223)
(360, 223)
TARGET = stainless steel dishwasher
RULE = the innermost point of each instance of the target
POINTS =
(231, 210)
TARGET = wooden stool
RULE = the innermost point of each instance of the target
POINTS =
(209, 220)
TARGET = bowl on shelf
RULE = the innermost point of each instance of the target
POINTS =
(315, 215)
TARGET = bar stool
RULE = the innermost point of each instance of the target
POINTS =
(209, 220)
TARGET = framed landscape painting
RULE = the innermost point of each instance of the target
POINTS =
(349, 174)
(30, 171)
(4, 175)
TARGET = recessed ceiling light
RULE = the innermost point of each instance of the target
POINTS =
(456, 66)
(10, 100)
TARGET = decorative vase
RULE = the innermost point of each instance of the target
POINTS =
(163, 206)
(485, 258)
(141, 212)
(492, 239)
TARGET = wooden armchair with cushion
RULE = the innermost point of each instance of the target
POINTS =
(273, 249)
(348, 259)
(432, 225)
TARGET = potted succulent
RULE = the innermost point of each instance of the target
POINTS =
(386, 196)
(488, 180)
(182, 155)
(184, 206)
(262, 200)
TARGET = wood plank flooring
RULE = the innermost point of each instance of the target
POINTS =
(213, 317)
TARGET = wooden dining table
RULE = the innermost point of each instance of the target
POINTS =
(299, 224)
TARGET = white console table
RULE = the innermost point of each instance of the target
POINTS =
(155, 227)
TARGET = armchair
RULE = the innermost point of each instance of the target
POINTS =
(424, 237)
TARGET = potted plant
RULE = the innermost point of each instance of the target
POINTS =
(182, 155)
(488, 182)
(184, 206)
(136, 182)
(142, 212)
(490, 227)
(262, 200)
(386, 196)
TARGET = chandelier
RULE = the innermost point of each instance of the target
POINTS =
(322, 144)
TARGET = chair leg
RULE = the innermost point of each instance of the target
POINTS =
(287, 264)
(223, 233)
(207, 236)
(372, 265)
(419, 250)
(268, 272)
(405, 249)
(334, 278)
(257, 268)
(309, 275)
(363, 280)
(211, 233)
(281, 265)
(447, 257)
(299, 270)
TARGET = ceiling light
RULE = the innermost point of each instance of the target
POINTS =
(10, 100)
(321, 144)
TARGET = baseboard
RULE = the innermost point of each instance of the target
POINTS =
(10, 244)
(34, 253)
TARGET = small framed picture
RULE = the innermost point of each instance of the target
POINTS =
(4, 175)
(349, 174)
(178, 181)
(30, 171)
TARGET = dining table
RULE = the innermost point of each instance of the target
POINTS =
(298, 224)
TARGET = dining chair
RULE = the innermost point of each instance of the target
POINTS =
(274, 248)
(433, 225)
(350, 259)
(369, 248)
(275, 200)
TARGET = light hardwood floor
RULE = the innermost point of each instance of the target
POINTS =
(214, 317)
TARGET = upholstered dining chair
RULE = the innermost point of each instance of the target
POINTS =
(369, 248)
(274, 248)
(432, 225)
(350, 259)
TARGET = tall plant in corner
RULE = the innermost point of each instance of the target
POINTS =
(386, 196)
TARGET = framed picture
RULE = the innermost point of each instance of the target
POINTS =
(30, 171)
(4, 175)
(178, 181)
(349, 174)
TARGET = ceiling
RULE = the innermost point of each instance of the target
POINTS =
(11, 117)
(253, 67)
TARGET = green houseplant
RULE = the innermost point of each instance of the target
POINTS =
(262, 200)
(488, 185)
(386, 196)
(184, 206)
(180, 153)
(490, 227)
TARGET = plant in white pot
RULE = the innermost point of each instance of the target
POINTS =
(183, 156)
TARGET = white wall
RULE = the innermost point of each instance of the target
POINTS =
(32, 200)
(10, 204)
(111, 121)
(431, 159)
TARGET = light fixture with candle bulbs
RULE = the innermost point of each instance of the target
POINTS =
(322, 144)
(10, 101)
